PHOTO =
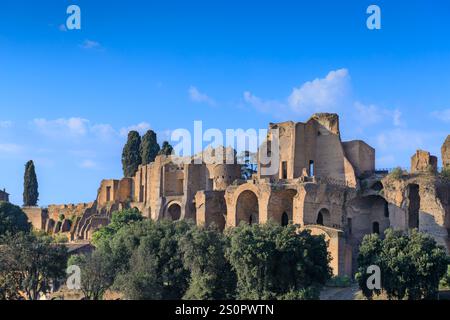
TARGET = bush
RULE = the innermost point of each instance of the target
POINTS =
(275, 262)
(60, 238)
(445, 281)
(340, 281)
(406, 272)
(12, 219)
(119, 219)
(397, 173)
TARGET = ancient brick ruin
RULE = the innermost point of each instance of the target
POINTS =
(323, 184)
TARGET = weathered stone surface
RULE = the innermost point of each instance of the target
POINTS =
(423, 161)
(323, 184)
(4, 196)
(446, 153)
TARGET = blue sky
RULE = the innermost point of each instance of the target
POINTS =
(68, 97)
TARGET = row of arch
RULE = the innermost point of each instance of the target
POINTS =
(247, 210)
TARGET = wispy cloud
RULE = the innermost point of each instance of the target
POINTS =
(442, 115)
(140, 127)
(373, 114)
(266, 106)
(62, 127)
(88, 164)
(197, 96)
(90, 44)
(5, 124)
(10, 148)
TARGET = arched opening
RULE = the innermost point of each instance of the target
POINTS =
(320, 219)
(376, 227)
(281, 206)
(284, 219)
(323, 217)
(247, 208)
(174, 212)
(413, 206)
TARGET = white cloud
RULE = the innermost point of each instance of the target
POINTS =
(320, 94)
(443, 115)
(75, 127)
(140, 127)
(6, 124)
(88, 164)
(90, 44)
(372, 114)
(10, 148)
(401, 139)
(267, 106)
(103, 131)
(197, 96)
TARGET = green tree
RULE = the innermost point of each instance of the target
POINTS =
(411, 264)
(274, 262)
(203, 252)
(166, 149)
(29, 264)
(155, 269)
(12, 219)
(118, 220)
(131, 155)
(149, 147)
(97, 273)
(30, 185)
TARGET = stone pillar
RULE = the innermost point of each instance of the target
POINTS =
(446, 153)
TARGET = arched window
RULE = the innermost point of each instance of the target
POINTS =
(324, 217)
(376, 227)
(284, 219)
(320, 219)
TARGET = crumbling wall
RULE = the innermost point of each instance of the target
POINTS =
(423, 161)
(434, 208)
(446, 153)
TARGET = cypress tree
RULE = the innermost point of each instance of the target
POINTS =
(30, 185)
(166, 149)
(149, 147)
(131, 156)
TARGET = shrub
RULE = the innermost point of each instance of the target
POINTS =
(397, 173)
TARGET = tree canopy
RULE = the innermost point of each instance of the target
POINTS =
(29, 264)
(131, 154)
(30, 185)
(12, 219)
(166, 149)
(149, 147)
(411, 265)
(275, 262)
(118, 220)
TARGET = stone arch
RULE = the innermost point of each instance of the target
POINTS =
(363, 212)
(281, 204)
(247, 207)
(323, 217)
(173, 211)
